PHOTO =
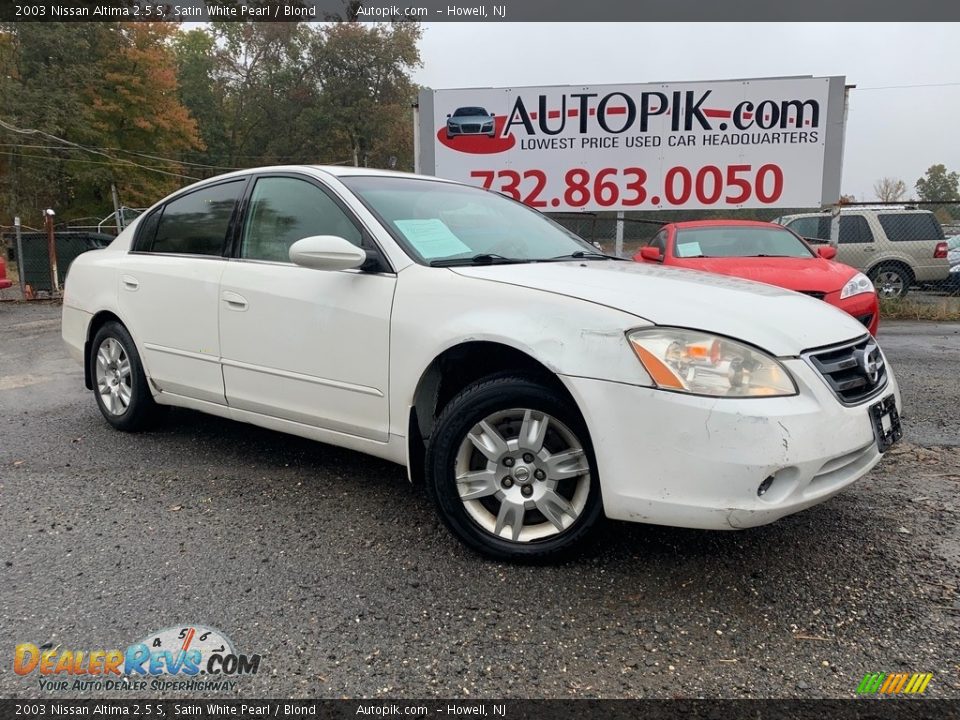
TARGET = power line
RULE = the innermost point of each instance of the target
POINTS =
(122, 161)
(75, 160)
(909, 87)
(173, 161)
(170, 161)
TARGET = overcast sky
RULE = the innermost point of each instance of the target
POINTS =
(896, 132)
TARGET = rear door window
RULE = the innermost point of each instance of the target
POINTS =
(196, 223)
(853, 229)
(904, 227)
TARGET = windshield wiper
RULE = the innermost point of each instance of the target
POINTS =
(481, 259)
(581, 254)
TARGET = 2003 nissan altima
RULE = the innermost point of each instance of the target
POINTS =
(532, 382)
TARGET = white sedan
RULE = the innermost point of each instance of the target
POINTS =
(534, 384)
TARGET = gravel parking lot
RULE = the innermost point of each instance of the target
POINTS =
(334, 569)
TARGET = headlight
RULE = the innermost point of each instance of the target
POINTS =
(856, 285)
(702, 364)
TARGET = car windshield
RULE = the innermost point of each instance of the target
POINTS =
(739, 241)
(442, 223)
(954, 243)
(469, 111)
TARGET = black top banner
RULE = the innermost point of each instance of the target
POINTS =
(434, 709)
(477, 11)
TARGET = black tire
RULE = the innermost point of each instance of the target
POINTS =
(476, 402)
(141, 412)
(891, 275)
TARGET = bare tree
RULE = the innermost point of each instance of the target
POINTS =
(890, 189)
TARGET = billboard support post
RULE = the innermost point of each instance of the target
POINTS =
(416, 137)
(618, 243)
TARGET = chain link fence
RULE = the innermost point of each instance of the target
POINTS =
(899, 245)
(32, 269)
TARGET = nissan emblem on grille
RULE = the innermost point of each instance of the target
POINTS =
(855, 371)
(869, 361)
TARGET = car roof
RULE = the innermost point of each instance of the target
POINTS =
(334, 170)
(689, 224)
(860, 209)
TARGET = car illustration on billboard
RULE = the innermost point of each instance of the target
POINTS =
(470, 120)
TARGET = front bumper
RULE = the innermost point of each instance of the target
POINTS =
(674, 459)
(864, 307)
(456, 130)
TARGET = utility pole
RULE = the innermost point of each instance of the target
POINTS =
(116, 208)
(21, 271)
(52, 252)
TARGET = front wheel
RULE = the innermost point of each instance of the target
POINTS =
(512, 472)
(119, 383)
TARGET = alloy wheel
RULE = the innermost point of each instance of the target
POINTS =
(522, 475)
(114, 376)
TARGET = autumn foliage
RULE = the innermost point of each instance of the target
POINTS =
(149, 107)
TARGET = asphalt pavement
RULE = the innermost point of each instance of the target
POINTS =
(334, 569)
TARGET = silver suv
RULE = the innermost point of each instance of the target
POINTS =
(895, 246)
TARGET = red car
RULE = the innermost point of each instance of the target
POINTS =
(4, 282)
(766, 253)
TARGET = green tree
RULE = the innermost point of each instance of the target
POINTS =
(263, 68)
(363, 72)
(939, 185)
(200, 91)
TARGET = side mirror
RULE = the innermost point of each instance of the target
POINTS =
(448, 115)
(651, 253)
(827, 252)
(326, 252)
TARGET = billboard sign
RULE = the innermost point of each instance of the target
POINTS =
(703, 145)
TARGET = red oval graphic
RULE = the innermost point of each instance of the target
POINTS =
(479, 144)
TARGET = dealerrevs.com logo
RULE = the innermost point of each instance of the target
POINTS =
(894, 683)
(188, 657)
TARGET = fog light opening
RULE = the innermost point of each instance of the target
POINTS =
(764, 486)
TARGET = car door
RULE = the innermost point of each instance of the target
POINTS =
(856, 245)
(301, 344)
(169, 287)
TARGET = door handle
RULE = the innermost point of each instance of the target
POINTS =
(130, 282)
(234, 301)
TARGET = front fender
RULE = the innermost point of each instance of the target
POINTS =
(435, 311)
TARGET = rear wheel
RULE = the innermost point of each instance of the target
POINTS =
(891, 281)
(511, 470)
(119, 383)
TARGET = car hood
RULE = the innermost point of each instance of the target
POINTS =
(471, 119)
(811, 273)
(779, 321)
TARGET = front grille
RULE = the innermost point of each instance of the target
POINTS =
(470, 128)
(855, 371)
(814, 294)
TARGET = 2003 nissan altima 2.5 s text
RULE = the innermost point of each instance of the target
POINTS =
(534, 384)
